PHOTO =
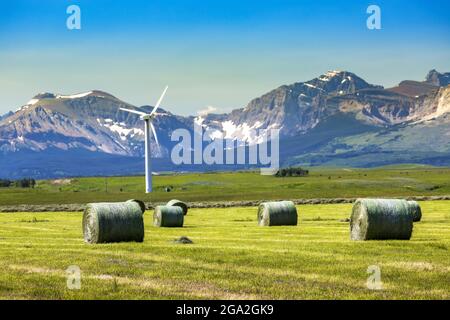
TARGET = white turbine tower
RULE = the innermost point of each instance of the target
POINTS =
(148, 118)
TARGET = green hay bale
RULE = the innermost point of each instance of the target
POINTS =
(113, 222)
(166, 216)
(415, 210)
(381, 219)
(282, 213)
(141, 204)
(178, 203)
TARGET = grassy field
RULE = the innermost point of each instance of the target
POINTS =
(394, 181)
(231, 257)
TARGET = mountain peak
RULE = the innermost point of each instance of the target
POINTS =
(339, 74)
(340, 82)
(74, 96)
(101, 93)
(331, 74)
(438, 79)
(49, 95)
(44, 95)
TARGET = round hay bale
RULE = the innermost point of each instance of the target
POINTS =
(141, 204)
(113, 222)
(281, 213)
(168, 216)
(415, 210)
(178, 203)
(381, 219)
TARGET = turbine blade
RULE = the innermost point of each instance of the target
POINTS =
(159, 101)
(154, 135)
(133, 111)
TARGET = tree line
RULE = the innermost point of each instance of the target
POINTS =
(21, 183)
(292, 172)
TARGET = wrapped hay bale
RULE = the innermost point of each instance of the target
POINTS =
(113, 222)
(282, 213)
(141, 204)
(415, 210)
(178, 203)
(381, 219)
(167, 216)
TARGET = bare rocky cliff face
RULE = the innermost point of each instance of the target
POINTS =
(433, 105)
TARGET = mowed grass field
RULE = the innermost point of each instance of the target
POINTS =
(231, 258)
(393, 181)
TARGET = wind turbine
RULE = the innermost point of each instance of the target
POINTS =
(148, 118)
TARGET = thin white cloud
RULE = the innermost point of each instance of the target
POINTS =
(206, 111)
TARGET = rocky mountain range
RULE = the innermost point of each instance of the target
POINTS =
(335, 119)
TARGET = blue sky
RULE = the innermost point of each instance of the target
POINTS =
(211, 53)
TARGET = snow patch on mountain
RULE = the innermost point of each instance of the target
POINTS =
(206, 111)
(329, 75)
(121, 129)
(32, 102)
(74, 96)
(311, 86)
(28, 105)
(243, 132)
(199, 120)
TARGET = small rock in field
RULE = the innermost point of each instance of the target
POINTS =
(183, 240)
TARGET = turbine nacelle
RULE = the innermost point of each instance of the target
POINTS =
(147, 117)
